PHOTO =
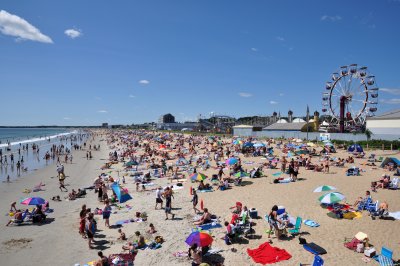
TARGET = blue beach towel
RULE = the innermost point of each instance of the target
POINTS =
(210, 226)
(277, 174)
(204, 190)
(310, 223)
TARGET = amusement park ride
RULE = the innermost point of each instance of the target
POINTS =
(349, 99)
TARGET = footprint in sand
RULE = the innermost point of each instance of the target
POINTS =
(17, 243)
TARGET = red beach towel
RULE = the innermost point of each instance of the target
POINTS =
(266, 254)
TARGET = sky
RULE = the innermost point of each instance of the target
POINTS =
(122, 62)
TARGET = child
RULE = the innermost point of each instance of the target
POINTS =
(137, 186)
(152, 229)
(121, 235)
(123, 179)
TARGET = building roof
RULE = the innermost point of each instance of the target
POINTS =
(281, 121)
(298, 120)
(394, 114)
(285, 126)
(243, 126)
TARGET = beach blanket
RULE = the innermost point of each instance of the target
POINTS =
(210, 226)
(352, 215)
(267, 254)
(395, 215)
(277, 174)
(310, 223)
(204, 190)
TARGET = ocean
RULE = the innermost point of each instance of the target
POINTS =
(13, 141)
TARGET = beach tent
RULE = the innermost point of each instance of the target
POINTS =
(122, 194)
(355, 148)
(388, 160)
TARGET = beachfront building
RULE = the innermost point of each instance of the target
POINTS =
(167, 118)
(188, 126)
(385, 124)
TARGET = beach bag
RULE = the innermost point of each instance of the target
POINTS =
(360, 248)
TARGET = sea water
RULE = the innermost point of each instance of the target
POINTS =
(14, 139)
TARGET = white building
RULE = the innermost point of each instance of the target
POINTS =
(385, 124)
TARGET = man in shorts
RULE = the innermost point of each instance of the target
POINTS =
(168, 203)
(159, 198)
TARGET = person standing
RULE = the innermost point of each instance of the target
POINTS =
(159, 198)
(107, 213)
(90, 229)
(18, 168)
(168, 203)
(195, 201)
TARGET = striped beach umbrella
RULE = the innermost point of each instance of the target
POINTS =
(324, 188)
(33, 201)
(197, 177)
(202, 239)
(333, 197)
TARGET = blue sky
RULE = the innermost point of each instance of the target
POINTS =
(88, 62)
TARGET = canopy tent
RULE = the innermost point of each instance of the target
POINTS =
(122, 194)
(355, 148)
(390, 160)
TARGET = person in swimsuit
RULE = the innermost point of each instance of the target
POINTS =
(205, 218)
(273, 221)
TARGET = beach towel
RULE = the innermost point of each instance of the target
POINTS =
(277, 174)
(267, 254)
(352, 215)
(395, 215)
(204, 190)
(310, 223)
(148, 184)
(210, 226)
(314, 249)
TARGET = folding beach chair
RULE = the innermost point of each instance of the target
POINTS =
(386, 257)
(297, 226)
(318, 261)
(363, 204)
(394, 184)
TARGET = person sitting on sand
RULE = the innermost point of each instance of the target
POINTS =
(17, 218)
(384, 182)
(195, 254)
(103, 261)
(152, 229)
(56, 198)
(203, 186)
(130, 248)
(204, 219)
(140, 242)
(361, 199)
(72, 195)
(122, 235)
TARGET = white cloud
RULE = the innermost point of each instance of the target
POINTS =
(281, 39)
(273, 102)
(102, 111)
(13, 25)
(254, 49)
(131, 96)
(331, 18)
(67, 118)
(390, 91)
(144, 82)
(245, 94)
(391, 101)
(73, 33)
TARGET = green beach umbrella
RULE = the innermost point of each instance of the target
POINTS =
(198, 177)
(333, 197)
(324, 188)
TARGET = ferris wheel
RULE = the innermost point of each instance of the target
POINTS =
(350, 98)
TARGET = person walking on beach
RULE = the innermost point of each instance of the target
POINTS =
(18, 168)
(168, 203)
(90, 229)
(195, 201)
(12, 158)
(107, 213)
(159, 198)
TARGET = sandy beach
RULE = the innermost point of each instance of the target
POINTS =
(58, 241)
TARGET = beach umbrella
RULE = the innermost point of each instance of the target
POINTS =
(324, 188)
(248, 144)
(231, 161)
(121, 193)
(33, 201)
(197, 177)
(241, 174)
(237, 142)
(258, 145)
(333, 197)
(202, 239)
